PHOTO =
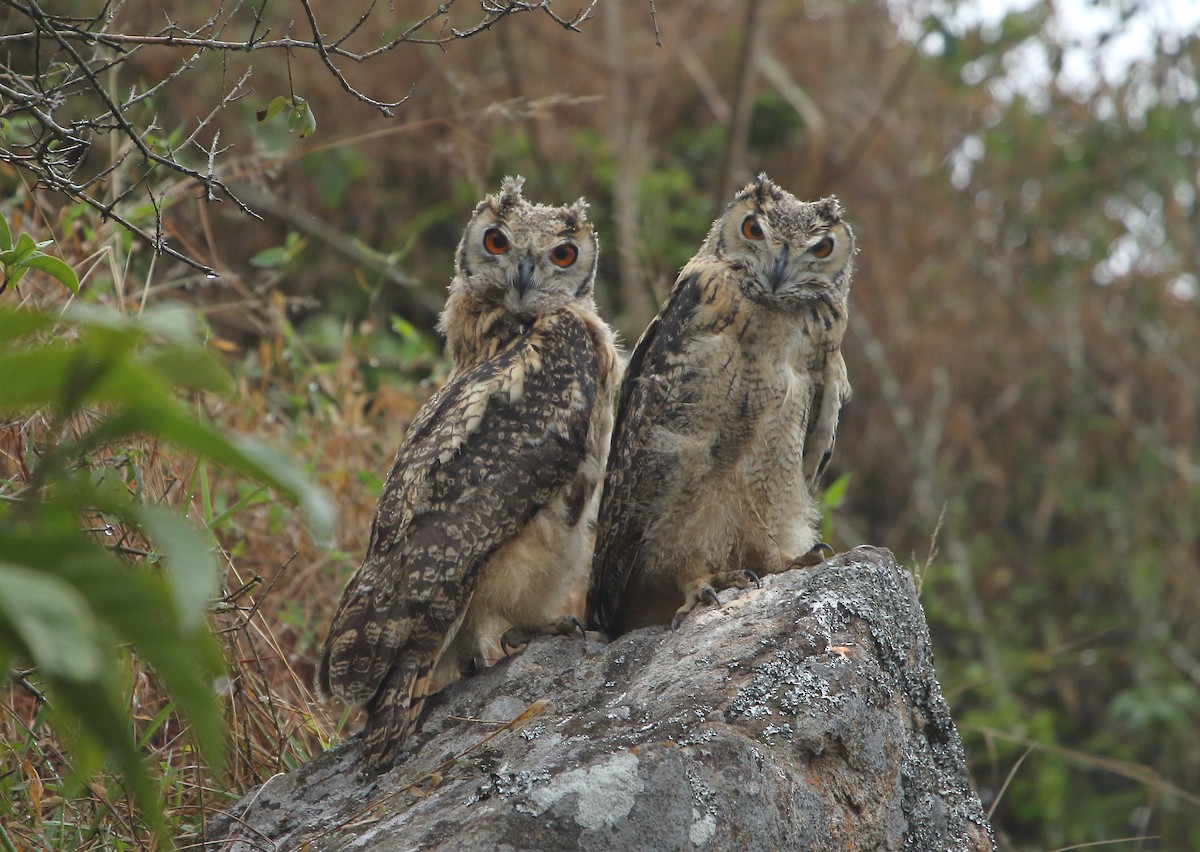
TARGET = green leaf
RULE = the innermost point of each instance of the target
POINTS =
(192, 368)
(177, 325)
(15, 324)
(191, 569)
(301, 118)
(836, 492)
(55, 268)
(104, 720)
(243, 455)
(33, 378)
(270, 258)
(252, 497)
(267, 464)
(5, 235)
(273, 109)
(25, 246)
(52, 622)
(14, 271)
(139, 606)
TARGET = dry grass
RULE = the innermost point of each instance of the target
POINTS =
(279, 591)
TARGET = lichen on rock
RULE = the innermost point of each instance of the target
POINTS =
(802, 715)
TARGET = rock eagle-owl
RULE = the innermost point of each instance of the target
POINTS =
(727, 414)
(486, 520)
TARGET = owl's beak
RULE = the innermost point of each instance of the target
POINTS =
(524, 275)
(778, 271)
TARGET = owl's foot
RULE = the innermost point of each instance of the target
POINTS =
(820, 552)
(515, 637)
(705, 589)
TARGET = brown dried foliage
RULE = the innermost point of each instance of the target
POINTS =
(1043, 422)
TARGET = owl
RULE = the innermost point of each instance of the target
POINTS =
(727, 415)
(485, 523)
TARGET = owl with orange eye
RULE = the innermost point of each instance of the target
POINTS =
(727, 415)
(484, 529)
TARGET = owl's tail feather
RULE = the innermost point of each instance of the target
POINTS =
(393, 713)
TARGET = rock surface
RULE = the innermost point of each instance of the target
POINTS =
(802, 715)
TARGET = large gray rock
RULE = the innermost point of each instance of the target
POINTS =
(802, 715)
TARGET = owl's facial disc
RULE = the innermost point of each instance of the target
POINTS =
(797, 267)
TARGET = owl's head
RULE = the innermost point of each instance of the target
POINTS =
(530, 258)
(791, 250)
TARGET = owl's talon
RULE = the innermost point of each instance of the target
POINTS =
(515, 637)
(709, 594)
(751, 576)
(575, 624)
(814, 557)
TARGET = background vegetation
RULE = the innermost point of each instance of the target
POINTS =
(1023, 343)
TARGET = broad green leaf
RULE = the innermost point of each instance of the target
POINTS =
(268, 464)
(55, 268)
(52, 621)
(5, 235)
(191, 368)
(104, 720)
(137, 605)
(191, 569)
(32, 378)
(249, 457)
(177, 325)
(15, 324)
(95, 316)
(86, 370)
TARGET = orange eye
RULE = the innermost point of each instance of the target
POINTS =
(563, 255)
(494, 241)
(751, 230)
(822, 249)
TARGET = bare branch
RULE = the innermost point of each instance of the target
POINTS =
(57, 104)
(384, 108)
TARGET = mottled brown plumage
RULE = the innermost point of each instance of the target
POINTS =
(727, 414)
(486, 519)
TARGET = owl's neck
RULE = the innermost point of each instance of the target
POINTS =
(475, 330)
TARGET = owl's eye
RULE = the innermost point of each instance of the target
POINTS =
(751, 230)
(494, 241)
(563, 255)
(822, 249)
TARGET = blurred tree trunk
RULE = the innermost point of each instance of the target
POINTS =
(636, 306)
(734, 161)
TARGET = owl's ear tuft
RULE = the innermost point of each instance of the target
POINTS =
(760, 191)
(510, 194)
(829, 209)
(765, 190)
(575, 215)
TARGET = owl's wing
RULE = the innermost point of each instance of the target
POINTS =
(832, 393)
(481, 458)
(636, 477)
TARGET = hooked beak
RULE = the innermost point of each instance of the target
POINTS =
(524, 275)
(778, 272)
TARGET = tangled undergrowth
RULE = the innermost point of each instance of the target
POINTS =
(278, 588)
